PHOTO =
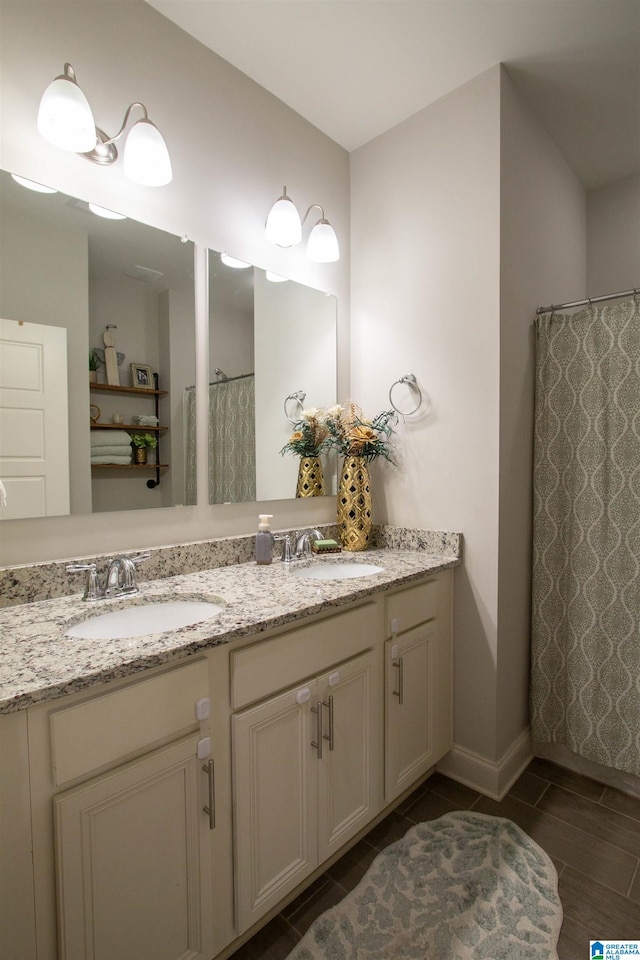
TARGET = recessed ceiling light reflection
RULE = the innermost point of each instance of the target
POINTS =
(107, 214)
(32, 185)
(233, 262)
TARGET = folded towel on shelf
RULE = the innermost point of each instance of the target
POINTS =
(117, 450)
(145, 421)
(109, 438)
(110, 459)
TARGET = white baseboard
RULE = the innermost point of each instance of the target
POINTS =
(492, 779)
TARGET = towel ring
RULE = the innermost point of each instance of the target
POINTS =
(411, 380)
(298, 396)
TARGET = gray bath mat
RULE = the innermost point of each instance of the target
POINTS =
(464, 887)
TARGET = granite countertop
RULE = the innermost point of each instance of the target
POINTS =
(38, 663)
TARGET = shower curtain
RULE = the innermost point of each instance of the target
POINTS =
(232, 440)
(232, 447)
(189, 415)
(585, 672)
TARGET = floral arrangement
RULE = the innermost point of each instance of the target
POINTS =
(309, 435)
(342, 428)
(354, 436)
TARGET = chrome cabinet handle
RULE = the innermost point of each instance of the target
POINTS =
(317, 743)
(210, 810)
(320, 734)
(330, 738)
(399, 693)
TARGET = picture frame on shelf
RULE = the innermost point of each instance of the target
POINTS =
(141, 376)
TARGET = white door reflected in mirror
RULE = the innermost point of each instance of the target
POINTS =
(34, 433)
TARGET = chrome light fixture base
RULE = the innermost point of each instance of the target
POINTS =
(104, 153)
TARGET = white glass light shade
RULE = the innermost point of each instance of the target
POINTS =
(32, 185)
(146, 158)
(322, 246)
(283, 223)
(65, 118)
(275, 277)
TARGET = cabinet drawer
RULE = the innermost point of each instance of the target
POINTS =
(99, 731)
(413, 606)
(265, 667)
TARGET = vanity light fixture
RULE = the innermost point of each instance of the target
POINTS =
(284, 228)
(65, 120)
(32, 185)
(275, 277)
(233, 262)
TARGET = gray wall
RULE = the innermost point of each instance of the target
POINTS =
(465, 218)
(613, 239)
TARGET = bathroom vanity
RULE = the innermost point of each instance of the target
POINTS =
(176, 789)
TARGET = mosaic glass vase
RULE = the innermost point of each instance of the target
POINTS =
(354, 504)
(310, 479)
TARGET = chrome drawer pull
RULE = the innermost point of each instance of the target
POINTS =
(210, 810)
(317, 743)
(399, 693)
(330, 738)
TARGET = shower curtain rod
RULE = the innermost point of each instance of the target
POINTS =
(589, 300)
(241, 376)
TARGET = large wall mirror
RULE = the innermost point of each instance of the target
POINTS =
(272, 353)
(73, 283)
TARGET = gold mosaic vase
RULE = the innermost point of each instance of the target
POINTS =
(310, 479)
(354, 504)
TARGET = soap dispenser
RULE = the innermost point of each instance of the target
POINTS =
(264, 539)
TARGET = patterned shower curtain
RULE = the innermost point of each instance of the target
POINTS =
(189, 407)
(232, 441)
(585, 676)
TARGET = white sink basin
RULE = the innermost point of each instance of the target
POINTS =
(336, 571)
(144, 618)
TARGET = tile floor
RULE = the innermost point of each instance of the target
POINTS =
(591, 832)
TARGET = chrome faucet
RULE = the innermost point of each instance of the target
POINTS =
(286, 555)
(120, 578)
(303, 543)
(302, 548)
(92, 589)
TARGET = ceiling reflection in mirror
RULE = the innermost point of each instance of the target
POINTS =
(272, 354)
(124, 291)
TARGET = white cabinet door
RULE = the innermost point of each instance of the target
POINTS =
(412, 725)
(307, 777)
(349, 772)
(133, 862)
(275, 783)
